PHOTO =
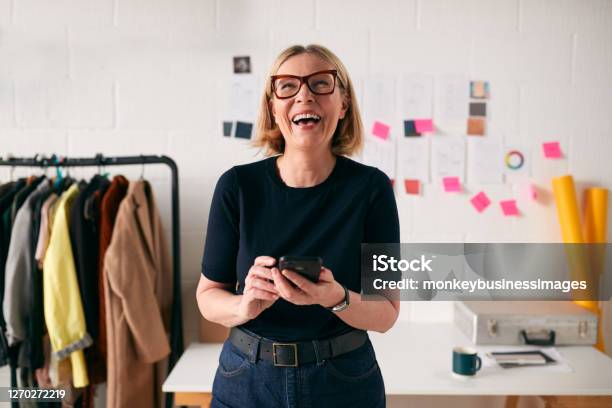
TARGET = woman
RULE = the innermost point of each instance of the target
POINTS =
(295, 343)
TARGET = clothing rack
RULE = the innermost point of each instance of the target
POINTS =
(176, 326)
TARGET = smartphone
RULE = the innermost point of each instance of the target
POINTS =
(307, 266)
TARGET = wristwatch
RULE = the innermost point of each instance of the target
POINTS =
(343, 304)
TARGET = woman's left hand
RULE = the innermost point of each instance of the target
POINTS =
(326, 292)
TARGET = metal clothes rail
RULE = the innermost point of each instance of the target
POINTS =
(176, 326)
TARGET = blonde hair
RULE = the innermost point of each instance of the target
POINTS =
(348, 137)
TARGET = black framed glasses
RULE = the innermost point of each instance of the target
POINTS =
(319, 83)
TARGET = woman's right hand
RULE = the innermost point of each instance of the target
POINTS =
(259, 289)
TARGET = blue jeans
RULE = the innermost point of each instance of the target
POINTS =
(350, 380)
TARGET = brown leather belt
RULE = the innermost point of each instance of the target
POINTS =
(284, 354)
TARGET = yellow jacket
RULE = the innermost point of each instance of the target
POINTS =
(64, 315)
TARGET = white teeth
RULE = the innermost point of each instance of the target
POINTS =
(300, 116)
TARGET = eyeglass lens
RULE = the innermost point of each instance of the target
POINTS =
(319, 84)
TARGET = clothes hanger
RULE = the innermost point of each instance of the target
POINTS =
(59, 176)
(44, 165)
(40, 165)
(67, 169)
(142, 170)
(101, 169)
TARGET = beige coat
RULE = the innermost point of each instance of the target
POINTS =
(138, 285)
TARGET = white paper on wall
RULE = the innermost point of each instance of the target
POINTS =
(413, 158)
(380, 154)
(486, 160)
(447, 158)
(416, 97)
(516, 162)
(379, 102)
(242, 98)
(452, 100)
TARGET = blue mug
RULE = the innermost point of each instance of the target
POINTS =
(466, 361)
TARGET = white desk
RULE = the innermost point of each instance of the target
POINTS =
(415, 359)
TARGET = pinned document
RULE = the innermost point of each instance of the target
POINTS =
(381, 154)
(423, 125)
(485, 165)
(413, 158)
(479, 89)
(448, 157)
(476, 126)
(480, 201)
(451, 184)
(452, 98)
(380, 130)
(243, 130)
(242, 98)
(509, 208)
(227, 129)
(379, 101)
(516, 163)
(410, 129)
(552, 150)
(478, 109)
(413, 187)
(416, 97)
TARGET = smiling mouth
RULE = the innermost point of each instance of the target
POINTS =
(305, 119)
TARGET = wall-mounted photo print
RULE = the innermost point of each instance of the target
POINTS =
(242, 65)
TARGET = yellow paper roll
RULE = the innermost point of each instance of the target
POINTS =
(567, 209)
(595, 215)
(595, 226)
(595, 232)
(571, 231)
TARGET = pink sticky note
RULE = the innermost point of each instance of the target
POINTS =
(552, 150)
(423, 125)
(480, 201)
(509, 208)
(532, 191)
(451, 184)
(380, 130)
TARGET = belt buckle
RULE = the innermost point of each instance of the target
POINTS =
(295, 355)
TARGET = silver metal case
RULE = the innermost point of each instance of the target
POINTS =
(526, 322)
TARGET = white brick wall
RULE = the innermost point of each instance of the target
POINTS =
(135, 76)
(62, 13)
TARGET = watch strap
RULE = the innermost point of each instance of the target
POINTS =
(344, 303)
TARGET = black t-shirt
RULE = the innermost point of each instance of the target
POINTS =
(253, 213)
